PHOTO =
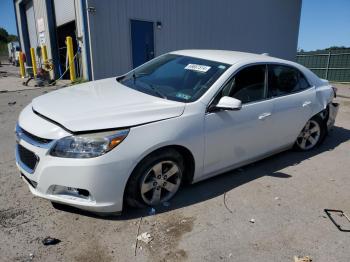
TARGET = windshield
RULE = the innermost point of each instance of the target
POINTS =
(175, 77)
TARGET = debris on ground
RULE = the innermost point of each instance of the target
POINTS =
(11, 103)
(152, 211)
(277, 198)
(338, 222)
(302, 259)
(145, 237)
(138, 231)
(229, 210)
(50, 241)
(166, 204)
(31, 256)
(183, 221)
(252, 221)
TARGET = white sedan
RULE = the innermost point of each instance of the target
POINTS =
(184, 116)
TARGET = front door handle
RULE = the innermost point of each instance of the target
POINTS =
(264, 115)
(306, 103)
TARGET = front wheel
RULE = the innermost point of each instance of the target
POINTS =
(156, 179)
(312, 134)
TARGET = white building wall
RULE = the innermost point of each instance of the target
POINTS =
(269, 26)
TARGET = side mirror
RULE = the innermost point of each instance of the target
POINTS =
(227, 103)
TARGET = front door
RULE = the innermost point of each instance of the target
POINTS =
(142, 42)
(235, 137)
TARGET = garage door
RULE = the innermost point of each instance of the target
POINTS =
(64, 11)
(33, 37)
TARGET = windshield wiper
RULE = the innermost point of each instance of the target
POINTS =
(157, 91)
(153, 88)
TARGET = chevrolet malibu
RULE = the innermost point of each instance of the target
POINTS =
(182, 117)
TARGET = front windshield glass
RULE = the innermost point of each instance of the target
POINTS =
(175, 77)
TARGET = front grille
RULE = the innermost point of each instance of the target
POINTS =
(35, 138)
(27, 157)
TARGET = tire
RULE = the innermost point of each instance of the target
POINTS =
(312, 134)
(156, 179)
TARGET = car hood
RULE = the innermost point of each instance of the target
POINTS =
(103, 104)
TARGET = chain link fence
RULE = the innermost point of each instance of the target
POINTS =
(333, 65)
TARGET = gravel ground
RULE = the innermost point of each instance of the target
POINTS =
(210, 221)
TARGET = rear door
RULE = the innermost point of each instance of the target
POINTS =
(292, 98)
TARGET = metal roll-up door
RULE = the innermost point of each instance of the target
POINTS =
(33, 37)
(64, 11)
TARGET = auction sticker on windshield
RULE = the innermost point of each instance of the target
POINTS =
(198, 68)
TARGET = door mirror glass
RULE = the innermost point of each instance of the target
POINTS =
(229, 103)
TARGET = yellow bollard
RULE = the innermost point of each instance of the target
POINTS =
(44, 54)
(69, 44)
(21, 65)
(32, 54)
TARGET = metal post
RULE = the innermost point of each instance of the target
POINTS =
(32, 54)
(327, 67)
(44, 54)
(69, 44)
(21, 64)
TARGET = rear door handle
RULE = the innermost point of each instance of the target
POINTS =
(264, 115)
(306, 103)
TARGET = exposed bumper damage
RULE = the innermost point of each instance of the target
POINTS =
(332, 114)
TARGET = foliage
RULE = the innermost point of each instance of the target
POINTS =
(325, 50)
(5, 37)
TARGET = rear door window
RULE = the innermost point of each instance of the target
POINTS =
(285, 80)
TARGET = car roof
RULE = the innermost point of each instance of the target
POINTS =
(233, 57)
(228, 57)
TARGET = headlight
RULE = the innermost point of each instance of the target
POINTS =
(89, 145)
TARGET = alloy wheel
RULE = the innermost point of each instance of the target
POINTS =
(309, 136)
(161, 182)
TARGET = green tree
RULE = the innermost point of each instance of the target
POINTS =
(12, 38)
(3, 35)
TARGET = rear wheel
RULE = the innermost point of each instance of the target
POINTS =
(312, 134)
(156, 179)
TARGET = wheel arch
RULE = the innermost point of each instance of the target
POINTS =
(189, 161)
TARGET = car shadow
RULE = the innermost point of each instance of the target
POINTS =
(219, 185)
